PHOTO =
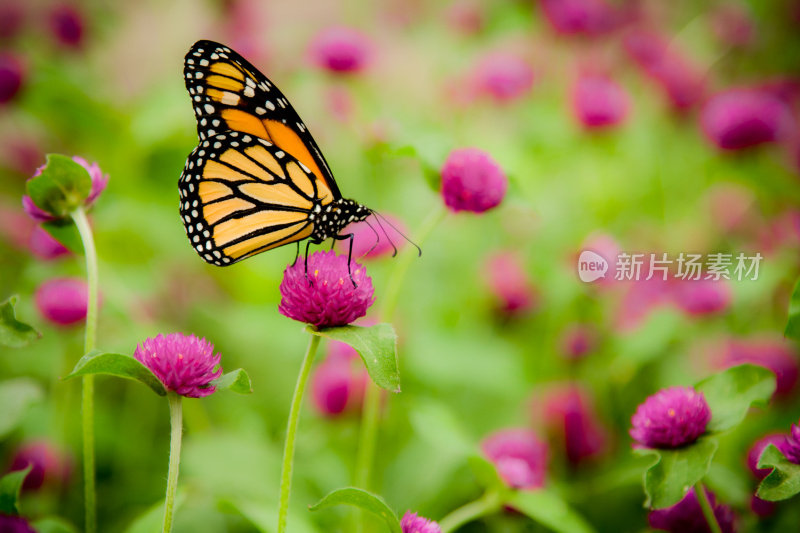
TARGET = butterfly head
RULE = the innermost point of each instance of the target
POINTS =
(331, 218)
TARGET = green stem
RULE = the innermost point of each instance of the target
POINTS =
(705, 505)
(176, 422)
(87, 407)
(291, 432)
(487, 504)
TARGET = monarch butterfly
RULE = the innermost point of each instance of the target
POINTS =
(257, 179)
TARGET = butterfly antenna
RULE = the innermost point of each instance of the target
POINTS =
(378, 220)
(380, 217)
(377, 237)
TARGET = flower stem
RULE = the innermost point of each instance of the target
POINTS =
(176, 422)
(487, 504)
(291, 433)
(705, 505)
(87, 407)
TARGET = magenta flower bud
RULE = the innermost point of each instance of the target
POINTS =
(566, 412)
(63, 301)
(742, 118)
(326, 296)
(33, 211)
(14, 524)
(472, 181)
(671, 418)
(412, 523)
(773, 353)
(509, 283)
(755, 451)
(44, 246)
(11, 77)
(686, 516)
(572, 17)
(703, 296)
(578, 341)
(503, 76)
(599, 102)
(49, 466)
(519, 456)
(762, 508)
(374, 243)
(185, 364)
(341, 50)
(791, 444)
(67, 25)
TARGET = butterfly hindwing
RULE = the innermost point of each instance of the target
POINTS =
(242, 195)
(230, 94)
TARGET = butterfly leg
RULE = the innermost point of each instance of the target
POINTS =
(297, 255)
(308, 244)
(351, 238)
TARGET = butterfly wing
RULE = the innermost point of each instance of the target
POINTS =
(242, 195)
(228, 93)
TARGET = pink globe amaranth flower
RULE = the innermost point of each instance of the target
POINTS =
(519, 456)
(15, 227)
(599, 102)
(686, 516)
(578, 341)
(11, 77)
(509, 283)
(755, 451)
(14, 524)
(49, 465)
(770, 352)
(185, 364)
(413, 523)
(791, 444)
(378, 243)
(99, 183)
(338, 384)
(503, 76)
(472, 181)
(572, 17)
(63, 301)
(762, 508)
(67, 25)
(737, 119)
(44, 246)
(326, 297)
(671, 418)
(341, 50)
(702, 297)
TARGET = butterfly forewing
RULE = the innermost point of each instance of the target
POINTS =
(230, 94)
(242, 195)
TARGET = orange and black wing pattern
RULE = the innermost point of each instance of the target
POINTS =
(230, 94)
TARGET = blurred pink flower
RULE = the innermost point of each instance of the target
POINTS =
(11, 76)
(245, 24)
(49, 465)
(185, 364)
(44, 246)
(640, 298)
(67, 25)
(99, 183)
(791, 444)
(773, 353)
(762, 508)
(413, 523)
(755, 451)
(509, 283)
(702, 297)
(12, 18)
(670, 418)
(503, 76)
(472, 181)
(588, 17)
(63, 301)
(367, 244)
(15, 524)
(578, 341)
(338, 383)
(736, 119)
(519, 456)
(732, 25)
(15, 227)
(598, 101)
(686, 516)
(606, 247)
(342, 50)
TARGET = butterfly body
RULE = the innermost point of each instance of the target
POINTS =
(257, 179)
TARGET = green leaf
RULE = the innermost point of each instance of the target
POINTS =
(66, 232)
(62, 186)
(730, 394)
(116, 364)
(362, 499)
(793, 323)
(548, 509)
(784, 480)
(53, 524)
(16, 395)
(377, 346)
(264, 515)
(235, 381)
(14, 333)
(486, 473)
(151, 520)
(674, 472)
(10, 486)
